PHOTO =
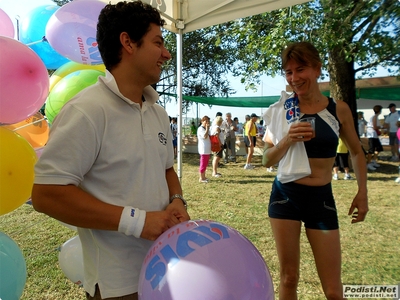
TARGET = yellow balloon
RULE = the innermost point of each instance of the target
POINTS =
(70, 67)
(17, 160)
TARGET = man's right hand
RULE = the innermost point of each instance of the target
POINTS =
(156, 223)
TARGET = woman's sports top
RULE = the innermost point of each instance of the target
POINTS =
(327, 127)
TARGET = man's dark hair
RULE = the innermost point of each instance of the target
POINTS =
(133, 18)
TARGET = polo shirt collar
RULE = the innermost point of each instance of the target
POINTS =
(149, 93)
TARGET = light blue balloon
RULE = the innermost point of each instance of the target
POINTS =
(12, 269)
(32, 31)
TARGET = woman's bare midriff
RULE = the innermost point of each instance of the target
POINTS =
(321, 172)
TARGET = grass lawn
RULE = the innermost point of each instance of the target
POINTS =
(370, 250)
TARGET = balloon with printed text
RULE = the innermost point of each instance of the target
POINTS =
(24, 81)
(32, 33)
(71, 31)
(206, 258)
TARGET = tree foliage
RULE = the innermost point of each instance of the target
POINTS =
(353, 37)
(207, 59)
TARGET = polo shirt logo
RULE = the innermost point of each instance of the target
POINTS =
(161, 138)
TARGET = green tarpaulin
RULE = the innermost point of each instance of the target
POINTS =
(377, 93)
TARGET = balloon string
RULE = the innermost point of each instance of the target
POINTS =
(25, 228)
(37, 42)
(23, 126)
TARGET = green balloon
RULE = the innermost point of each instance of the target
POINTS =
(67, 88)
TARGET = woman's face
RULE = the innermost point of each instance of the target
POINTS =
(302, 79)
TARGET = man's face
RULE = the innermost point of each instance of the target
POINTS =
(392, 109)
(228, 116)
(151, 55)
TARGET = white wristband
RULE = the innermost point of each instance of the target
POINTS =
(132, 221)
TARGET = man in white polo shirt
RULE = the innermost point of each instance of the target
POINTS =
(108, 165)
(391, 125)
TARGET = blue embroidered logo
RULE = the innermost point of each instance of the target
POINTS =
(291, 106)
(162, 139)
(132, 212)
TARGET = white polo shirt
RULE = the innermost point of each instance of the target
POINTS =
(392, 119)
(118, 152)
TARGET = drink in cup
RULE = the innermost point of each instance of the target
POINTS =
(310, 120)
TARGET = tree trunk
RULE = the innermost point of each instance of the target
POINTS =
(342, 81)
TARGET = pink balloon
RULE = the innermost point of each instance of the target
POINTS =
(24, 81)
(71, 31)
(204, 258)
(6, 25)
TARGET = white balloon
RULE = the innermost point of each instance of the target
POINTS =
(70, 259)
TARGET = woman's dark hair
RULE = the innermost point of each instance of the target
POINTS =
(304, 53)
(377, 108)
(205, 118)
(133, 18)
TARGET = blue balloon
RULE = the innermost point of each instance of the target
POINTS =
(12, 269)
(32, 33)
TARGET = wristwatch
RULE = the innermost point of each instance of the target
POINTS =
(178, 196)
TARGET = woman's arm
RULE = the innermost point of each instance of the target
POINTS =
(349, 136)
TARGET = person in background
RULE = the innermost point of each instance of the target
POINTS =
(341, 161)
(374, 143)
(260, 128)
(361, 124)
(204, 147)
(230, 128)
(250, 140)
(246, 119)
(309, 198)
(122, 199)
(239, 126)
(216, 130)
(193, 128)
(174, 130)
(391, 125)
(398, 140)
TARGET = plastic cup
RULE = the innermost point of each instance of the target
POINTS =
(310, 120)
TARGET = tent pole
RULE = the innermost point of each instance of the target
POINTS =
(179, 42)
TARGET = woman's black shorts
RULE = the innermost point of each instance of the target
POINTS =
(314, 205)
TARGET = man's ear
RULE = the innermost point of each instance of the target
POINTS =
(126, 42)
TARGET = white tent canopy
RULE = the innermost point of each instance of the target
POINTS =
(188, 15)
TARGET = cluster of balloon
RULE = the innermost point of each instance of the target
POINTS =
(13, 269)
(56, 36)
(6, 25)
(71, 31)
(204, 258)
(70, 259)
(32, 33)
(67, 88)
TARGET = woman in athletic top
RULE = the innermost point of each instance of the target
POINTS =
(310, 198)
